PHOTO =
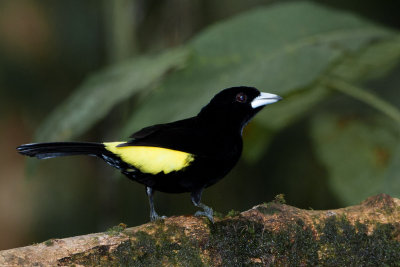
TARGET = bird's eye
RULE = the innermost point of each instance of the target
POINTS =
(241, 98)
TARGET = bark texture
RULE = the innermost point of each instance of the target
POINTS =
(268, 234)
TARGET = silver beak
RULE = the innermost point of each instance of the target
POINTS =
(264, 99)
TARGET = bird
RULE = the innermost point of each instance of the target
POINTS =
(187, 155)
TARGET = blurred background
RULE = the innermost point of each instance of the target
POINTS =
(100, 70)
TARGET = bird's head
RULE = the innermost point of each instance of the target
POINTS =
(237, 105)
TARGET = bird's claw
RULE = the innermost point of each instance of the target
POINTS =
(206, 213)
(156, 217)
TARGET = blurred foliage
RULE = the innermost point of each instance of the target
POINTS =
(280, 49)
(333, 140)
(289, 49)
(357, 152)
(100, 92)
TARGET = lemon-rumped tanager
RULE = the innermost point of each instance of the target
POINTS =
(182, 156)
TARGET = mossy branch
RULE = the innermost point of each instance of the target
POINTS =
(268, 234)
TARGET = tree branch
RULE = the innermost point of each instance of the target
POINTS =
(268, 234)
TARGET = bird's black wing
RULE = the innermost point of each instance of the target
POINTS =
(182, 135)
(145, 132)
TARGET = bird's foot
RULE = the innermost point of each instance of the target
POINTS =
(208, 212)
(155, 217)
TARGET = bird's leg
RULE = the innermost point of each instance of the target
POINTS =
(153, 214)
(207, 211)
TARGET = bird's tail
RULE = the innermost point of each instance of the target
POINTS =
(58, 149)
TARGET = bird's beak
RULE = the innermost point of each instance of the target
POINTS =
(264, 99)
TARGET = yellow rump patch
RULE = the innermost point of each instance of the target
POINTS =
(150, 159)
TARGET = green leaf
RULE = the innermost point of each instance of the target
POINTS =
(103, 90)
(373, 62)
(360, 154)
(282, 49)
(365, 96)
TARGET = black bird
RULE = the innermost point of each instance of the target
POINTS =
(182, 156)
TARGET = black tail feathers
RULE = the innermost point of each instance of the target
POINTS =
(58, 149)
